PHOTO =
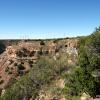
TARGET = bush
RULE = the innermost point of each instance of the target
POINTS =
(21, 67)
(42, 43)
(82, 79)
(41, 74)
(1, 81)
(2, 47)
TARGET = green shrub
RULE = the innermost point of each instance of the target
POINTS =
(42, 42)
(41, 74)
(1, 81)
(7, 69)
(82, 79)
(20, 67)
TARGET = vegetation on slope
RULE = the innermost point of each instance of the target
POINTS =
(86, 77)
(29, 85)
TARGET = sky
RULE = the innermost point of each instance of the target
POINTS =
(37, 19)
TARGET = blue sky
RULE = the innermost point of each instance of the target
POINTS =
(48, 18)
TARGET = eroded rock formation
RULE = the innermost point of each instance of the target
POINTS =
(18, 58)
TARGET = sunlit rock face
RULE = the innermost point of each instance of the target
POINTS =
(32, 49)
(86, 97)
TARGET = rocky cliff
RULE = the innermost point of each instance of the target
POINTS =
(18, 58)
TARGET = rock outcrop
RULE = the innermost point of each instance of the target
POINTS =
(18, 58)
